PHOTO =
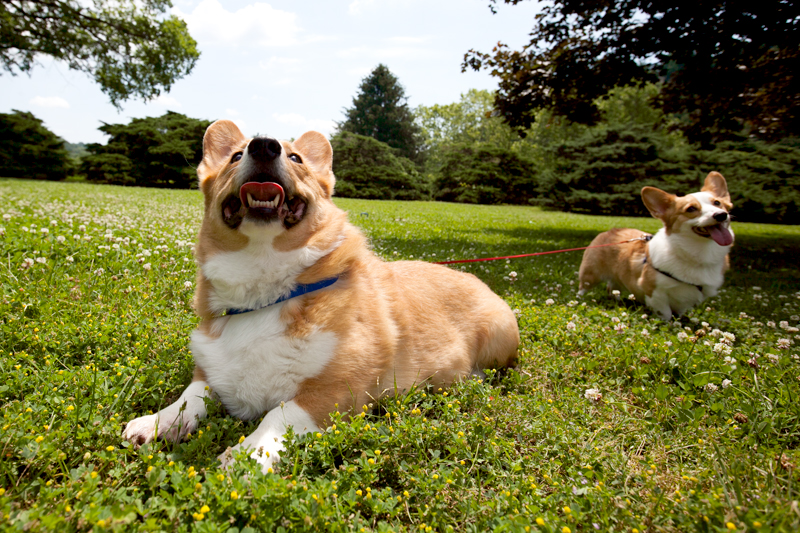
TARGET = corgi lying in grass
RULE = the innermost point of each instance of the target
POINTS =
(682, 264)
(298, 317)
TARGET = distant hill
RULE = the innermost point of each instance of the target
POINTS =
(76, 150)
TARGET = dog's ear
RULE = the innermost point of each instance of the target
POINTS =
(318, 154)
(715, 184)
(222, 138)
(658, 202)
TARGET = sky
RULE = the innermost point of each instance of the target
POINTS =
(281, 68)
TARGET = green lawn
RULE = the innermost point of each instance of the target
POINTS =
(697, 428)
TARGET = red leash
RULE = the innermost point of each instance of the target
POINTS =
(642, 238)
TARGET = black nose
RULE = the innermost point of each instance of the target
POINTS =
(264, 149)
(722, 216)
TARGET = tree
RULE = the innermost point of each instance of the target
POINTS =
(380, 110)
(29, 150)
(468, 122)
(149, 152)
(129, 47)
(367, 168)
(725, 65)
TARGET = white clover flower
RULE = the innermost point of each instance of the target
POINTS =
(644, 317)
(645, 333)
(99, 272)
(770, 324)
(783, 344)
(726, 383)
(773, 357)
(60, 239)
(41, 260)
(147, 266)
(593, 395)
(571, 325)
(615, 292)
(2, 231)
(23, 228)
(711, 388)
(70, 259)
(511, 274)
(619, 328)
(730, 360)
(27, 263)
(187, 285)
(682, 336)
(54, 223)
(756, 288)
(615, 320)
(668, 344)
(549, 301)
(722, 348)
(714, 332)
(6, 217)
(728, 338)
(82, 228)
(631, 297)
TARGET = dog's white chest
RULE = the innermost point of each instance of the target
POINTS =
(253, 365)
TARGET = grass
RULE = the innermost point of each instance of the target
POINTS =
(614, 420)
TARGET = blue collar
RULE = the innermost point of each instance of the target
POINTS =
(297, 291)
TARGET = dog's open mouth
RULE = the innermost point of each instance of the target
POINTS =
(264, 202)
(721, 234)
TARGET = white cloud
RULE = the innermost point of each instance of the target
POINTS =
(232, 112)
(257, 23)
(49, 101)
(282, 63)
(166, 101)
(356, 7)
(305, 124)
(408, 40)
(392, 52)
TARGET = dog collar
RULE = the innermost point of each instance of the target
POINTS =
(698, 287)
(297, 291)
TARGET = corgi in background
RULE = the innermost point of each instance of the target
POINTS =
(681, 265)
(298, 317)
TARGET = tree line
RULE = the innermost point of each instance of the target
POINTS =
(606, 97)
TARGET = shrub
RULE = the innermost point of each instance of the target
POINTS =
(367, 168)
(484, 175)
(604, 170)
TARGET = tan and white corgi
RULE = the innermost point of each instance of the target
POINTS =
(298, 317)
(681, 265)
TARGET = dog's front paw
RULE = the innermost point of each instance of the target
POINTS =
(145, 429)
(264, 458)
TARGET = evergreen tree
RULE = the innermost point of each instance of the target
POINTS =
(380, 111)
(366, 168)
(149, 152)
(29, 150)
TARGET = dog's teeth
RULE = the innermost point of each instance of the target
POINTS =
(250, 199)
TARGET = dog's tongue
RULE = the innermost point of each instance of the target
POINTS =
(721, 235)
(262, 192)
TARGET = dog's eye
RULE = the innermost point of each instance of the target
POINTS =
(716, 202)
(691, 209)
(296, 158)
(237, 156)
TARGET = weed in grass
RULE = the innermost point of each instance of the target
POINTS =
(614, 420)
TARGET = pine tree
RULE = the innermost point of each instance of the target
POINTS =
(380, 110)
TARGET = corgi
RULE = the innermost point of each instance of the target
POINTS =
(298, 317)
(681, 265)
